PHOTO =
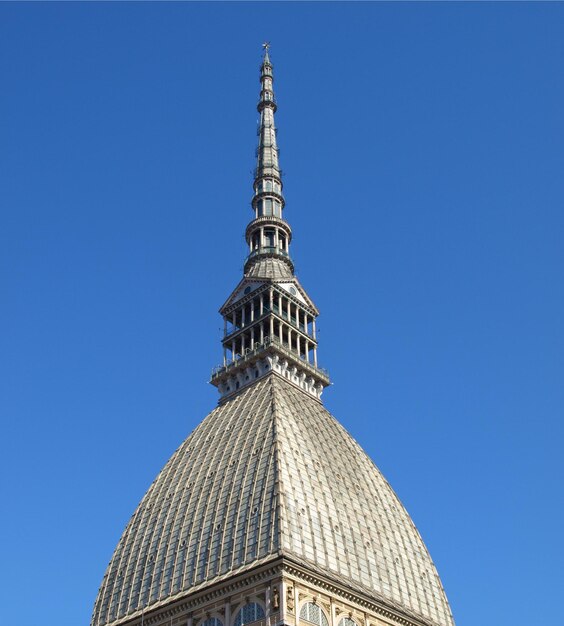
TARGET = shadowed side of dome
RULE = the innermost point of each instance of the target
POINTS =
(211, 511)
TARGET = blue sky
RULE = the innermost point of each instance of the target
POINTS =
(422, 151)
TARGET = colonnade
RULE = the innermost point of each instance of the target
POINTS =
(273, 316)
(269, 237)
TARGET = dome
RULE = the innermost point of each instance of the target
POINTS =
(270, 513)
(271, 268)
(270, 473)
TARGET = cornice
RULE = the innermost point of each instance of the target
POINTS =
(192, 599)
(380, 606)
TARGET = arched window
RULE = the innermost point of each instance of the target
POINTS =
(312, 613)
(249, 613)
(347, 621)
(212, 621)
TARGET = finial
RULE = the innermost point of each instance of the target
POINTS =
(266, 46)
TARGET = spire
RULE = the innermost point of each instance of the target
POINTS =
(266, 47)
(269, 320)
(268, 201)
(267, 150)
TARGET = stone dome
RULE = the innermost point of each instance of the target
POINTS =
(270, 473)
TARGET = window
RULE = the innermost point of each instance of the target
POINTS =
(249, 613)
(269, 237)
(276, 208)
(347, 621)
(312, 613)
(212, 621)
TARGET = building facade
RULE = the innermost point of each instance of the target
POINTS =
(269, 513)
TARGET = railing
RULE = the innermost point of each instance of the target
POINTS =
(268, 250)
(259, 347)
(233, 330)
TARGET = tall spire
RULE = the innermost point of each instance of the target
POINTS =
(268, 235)
(269, 320)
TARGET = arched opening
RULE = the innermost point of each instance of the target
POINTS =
(251, 612)
(313, 613)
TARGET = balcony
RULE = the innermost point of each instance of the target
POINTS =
(268, 250)
(272, 344)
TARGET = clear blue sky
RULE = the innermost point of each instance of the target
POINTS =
(422, 146)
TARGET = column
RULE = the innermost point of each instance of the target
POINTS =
(280, 332)
(252, 337)
(233, 350)
(298, 339)
(271, 329)
(267, 604)
(307, 350)
(261, 332)
(261, 245)
(243, 315)
(243, 344)
(315, 355)
(282, 599)
(261, 310)
(313, 329)
(252, 310)
(227, 613)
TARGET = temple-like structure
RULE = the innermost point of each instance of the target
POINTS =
(269, 320)
(269, 513)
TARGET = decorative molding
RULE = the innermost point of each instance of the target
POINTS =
(356, 597)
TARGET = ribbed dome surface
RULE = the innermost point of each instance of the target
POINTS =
(270, 472)
(271, 268)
